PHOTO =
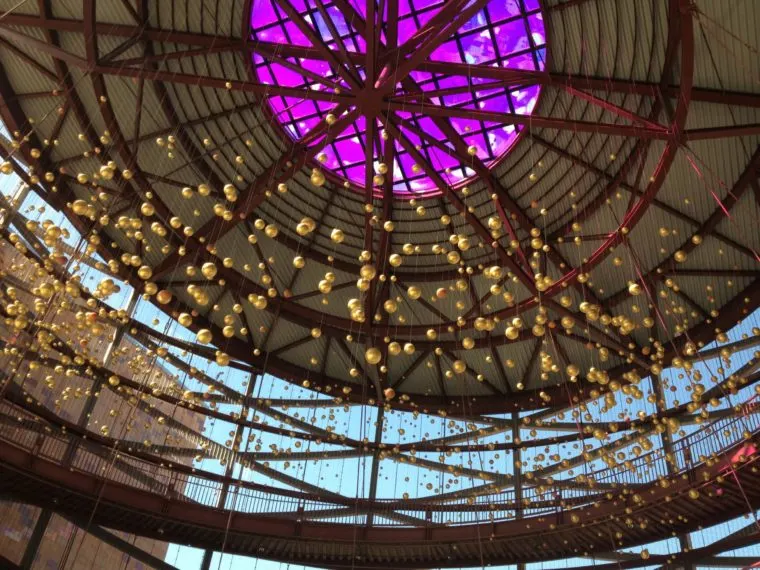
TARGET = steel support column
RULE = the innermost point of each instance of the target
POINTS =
(33, 546)
(244, 411)
(375, 462)
(517, 470)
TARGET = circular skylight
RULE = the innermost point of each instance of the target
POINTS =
(399, 89)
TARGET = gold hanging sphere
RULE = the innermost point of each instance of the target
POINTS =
(299, 262)
(204, 336)
(459, 366)
(145, 273)
(394, 349)
(317, 177)
(468, 343)
(80, 207)
(395, 260)
(679, 256)
(373, 355)
(414, 292)
(164, 297)
(367, 272)
(208, 270)
(635, 289)
(389, 393)
(337, 235)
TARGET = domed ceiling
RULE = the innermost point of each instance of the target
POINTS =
(417, 202)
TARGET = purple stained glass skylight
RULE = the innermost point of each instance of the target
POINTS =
(318, 48)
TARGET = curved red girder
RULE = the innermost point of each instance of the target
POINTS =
(124, 507)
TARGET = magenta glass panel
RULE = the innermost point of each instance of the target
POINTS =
(505, 33)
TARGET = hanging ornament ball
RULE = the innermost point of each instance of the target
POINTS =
(367, 272)
(459, 366)
(389, 393)
(164, 297)
(453, 257)
(145, 273)
(208, 270)
(679, 256)
(337, 235)
(317, 177)
(373, 355)
(204, 336)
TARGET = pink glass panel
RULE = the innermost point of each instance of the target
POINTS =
(505, 33)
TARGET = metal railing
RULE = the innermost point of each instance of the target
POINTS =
(21, 428)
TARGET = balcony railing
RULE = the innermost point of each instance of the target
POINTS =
(180, 482)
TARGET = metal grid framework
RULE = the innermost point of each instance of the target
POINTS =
(134, 70)
(501, 35)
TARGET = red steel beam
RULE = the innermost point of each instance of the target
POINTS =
(460, 205)
(647, 89)
(669, 265)
(533, 121)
